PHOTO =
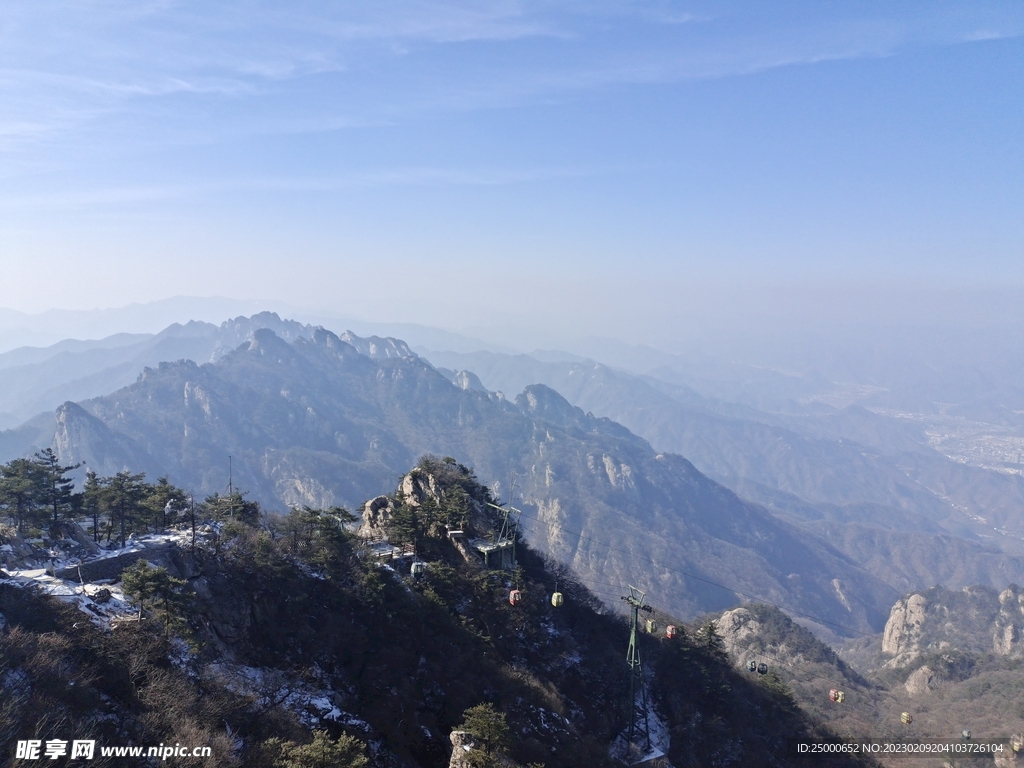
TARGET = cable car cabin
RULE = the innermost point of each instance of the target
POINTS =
(652, 626)
(837, 696)
(418, 570)
(751, 666)
(762, 668)
(557, 599)
(906, 718)
(515, 597)
(966, 734)
(671, 632)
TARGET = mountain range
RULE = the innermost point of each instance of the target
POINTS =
(829, 506)
(873, 485)
(322, 421)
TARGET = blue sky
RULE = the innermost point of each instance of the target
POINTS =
(585, 166)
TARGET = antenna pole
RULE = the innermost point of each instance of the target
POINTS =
(231, 490)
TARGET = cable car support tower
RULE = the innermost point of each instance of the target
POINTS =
(638, 734)
(503, 549)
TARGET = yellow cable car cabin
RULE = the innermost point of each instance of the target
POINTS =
(906, 718)
(652, 626)
(557, 599)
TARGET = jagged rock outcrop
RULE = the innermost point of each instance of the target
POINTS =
(462, 743)
(975, 620)
(738, 629)
(1007, 629)
(72, 531)
(468, 380)
(903, 629)
(920, 681)
(377, 348)
(82, 438)
(376, 515)
(764, 633)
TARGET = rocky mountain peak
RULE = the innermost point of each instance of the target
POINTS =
(469, 380)
(239, 330)
(378, 348)
(545, 403)
(976, 619)
(266, 343)
(81, 437)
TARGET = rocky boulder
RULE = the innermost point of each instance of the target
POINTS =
(920, 681)
(376, 515)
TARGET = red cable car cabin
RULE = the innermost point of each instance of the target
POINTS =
(515, 597)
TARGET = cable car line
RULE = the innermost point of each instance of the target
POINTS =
(583, 537)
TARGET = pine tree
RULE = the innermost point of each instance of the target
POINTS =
(123, 495)
(712, 642)
(456, 507)
(323, 752)
(234, 507)
(19, 493)
(153, 587)
(163, 503)
(54, 485)
(92, 501)
(489, 730)
(404, 526)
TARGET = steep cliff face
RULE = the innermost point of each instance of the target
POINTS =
(1007, 628)
(974, 620)
(903, 629)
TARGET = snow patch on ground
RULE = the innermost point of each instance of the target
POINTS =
(271, 687)
(116, 609)
(660, 740)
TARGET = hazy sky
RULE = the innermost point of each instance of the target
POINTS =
(600, 165)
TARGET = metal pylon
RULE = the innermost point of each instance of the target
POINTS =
(638, 735)
(509, 527)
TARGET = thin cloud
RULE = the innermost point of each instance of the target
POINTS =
(63, 69)
(394, 177)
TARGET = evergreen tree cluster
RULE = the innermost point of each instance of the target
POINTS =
(38, 493)
(413, 656)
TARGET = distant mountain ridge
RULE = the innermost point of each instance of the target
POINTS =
(316, 421)
(39, 379)
(870, 484)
